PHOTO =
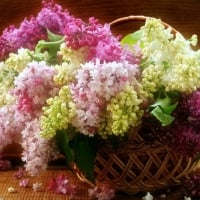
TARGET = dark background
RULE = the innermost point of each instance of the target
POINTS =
(184, 15)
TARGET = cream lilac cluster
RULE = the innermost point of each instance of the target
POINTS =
(170, 61)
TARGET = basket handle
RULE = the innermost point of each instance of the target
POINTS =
(138, 18)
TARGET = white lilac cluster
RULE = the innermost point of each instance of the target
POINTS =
(170, 61)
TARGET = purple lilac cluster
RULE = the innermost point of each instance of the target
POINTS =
(93, 36)
(183, 134)
(192, 186)
(52, 16)
(186, 126)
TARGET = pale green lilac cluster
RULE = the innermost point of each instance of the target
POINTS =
(122, 112)
(7, 76)
(9, 69)
(169, 60)
(18, 61)
(58, 113)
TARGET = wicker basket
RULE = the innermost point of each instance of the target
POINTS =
(136, 166)
(133, 169)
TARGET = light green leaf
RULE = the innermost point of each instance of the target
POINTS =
(53, 37)
(170, 108)
(164, 118)
(132, 38)
(162, 102)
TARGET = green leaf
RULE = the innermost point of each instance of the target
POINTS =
(170, 108)
(165, 104)
(47, 50)
(132, 38)
(85, 153)
(53, 37)
(162, 102)
(62, 139)
(164, 118)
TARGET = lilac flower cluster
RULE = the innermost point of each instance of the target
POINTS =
(33, 86)
(62, 185)
(30, 31)
(187, 124)
(20, 119)
(38, 151)
(98, 40)
(95, 84)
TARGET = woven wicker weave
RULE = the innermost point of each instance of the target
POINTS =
(136, 166)
(143, 168)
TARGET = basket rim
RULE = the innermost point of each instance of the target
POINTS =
(140, 18)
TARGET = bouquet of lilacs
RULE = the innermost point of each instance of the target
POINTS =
(69, 85)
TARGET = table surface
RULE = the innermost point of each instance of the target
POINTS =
(7, 180)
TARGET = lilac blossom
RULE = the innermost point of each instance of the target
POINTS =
(187, 123)
(20, 173)
(11, 124)
(62, 185)
(37, 187)
(27, 36)
(53, 17)
(24, 183)
(103, 192)
(33, 87)
(192, 185)
(96, 84)
(99, 41)
(37, 151)
(33, 29)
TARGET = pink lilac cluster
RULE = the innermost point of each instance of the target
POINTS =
(103, 192)
(38, 151)
(95, 37)
(95, 84)
(62, 185)
(33, 87)
(99, 41)
(12, 123)
(54, 17)
(20, 121)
